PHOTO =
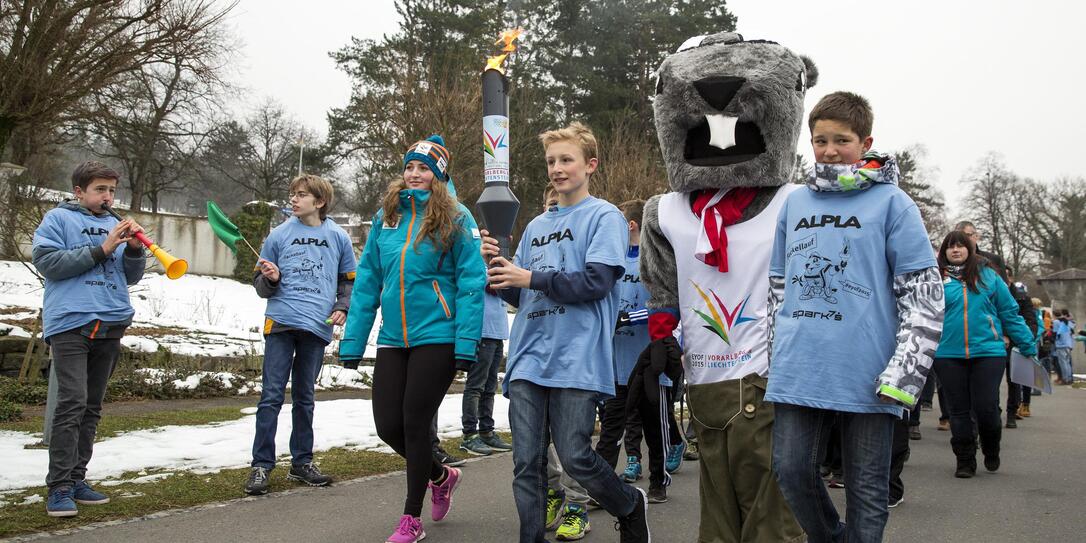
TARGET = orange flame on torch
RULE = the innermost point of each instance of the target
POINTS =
(506, 41)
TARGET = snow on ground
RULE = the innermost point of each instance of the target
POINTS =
(332, 376)
(193, 315)
(212, 447)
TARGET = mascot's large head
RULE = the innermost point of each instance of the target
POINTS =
(729, 112)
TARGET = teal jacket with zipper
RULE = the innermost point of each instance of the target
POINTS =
(426, 296)
(976, 322)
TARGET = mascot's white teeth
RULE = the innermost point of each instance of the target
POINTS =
(721, 130)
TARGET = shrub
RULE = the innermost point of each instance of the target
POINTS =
(10, 411)
(211, 386)
(254, 222)
(12, 391)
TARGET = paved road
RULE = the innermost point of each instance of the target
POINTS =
(1036, 496)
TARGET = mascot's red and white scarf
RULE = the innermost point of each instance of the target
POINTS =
(717, 210)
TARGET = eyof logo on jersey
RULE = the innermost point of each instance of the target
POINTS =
(721, 322)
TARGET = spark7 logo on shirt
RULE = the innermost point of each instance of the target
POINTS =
(310, 241)
(553, 236)
(547, 312)
(827, 220)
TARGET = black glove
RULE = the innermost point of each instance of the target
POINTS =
(350, 363)
(665, 357)
(463, 365)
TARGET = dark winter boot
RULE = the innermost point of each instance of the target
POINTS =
(989, 446)
(967, 467)
(966, 453)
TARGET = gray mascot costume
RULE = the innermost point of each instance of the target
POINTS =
(728, 115)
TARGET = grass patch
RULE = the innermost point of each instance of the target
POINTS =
(187, 490)
(1078, 384)
(14, 309)
(156, 331)
(24, 323)
(112, 425)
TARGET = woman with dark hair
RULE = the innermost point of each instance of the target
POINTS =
(971, 355)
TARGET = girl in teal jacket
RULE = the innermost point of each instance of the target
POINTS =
(978, 318)
(972, 355)
(421, 266)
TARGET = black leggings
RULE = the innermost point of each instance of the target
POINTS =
(972, 391)
(408, 386)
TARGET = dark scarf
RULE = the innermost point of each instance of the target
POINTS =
(955, 272)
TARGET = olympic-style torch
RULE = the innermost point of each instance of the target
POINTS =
(497, 205)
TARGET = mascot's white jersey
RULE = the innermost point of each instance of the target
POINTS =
(723, 315)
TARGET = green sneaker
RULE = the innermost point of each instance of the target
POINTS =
(555, 502)
(495, 442)
(574, 523)
(473, 444)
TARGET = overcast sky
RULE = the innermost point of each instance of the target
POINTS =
(961, 78)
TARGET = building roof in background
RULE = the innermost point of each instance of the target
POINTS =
(1070, 274)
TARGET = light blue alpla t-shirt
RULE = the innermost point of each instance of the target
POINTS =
(99, 293)
(310, 260)
(495, 318)
(835, 331)
(631, 340)
(568, 345)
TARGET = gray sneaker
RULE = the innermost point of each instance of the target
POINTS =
(308, 474)
(258, 481)
(495, 442)
(473, 444)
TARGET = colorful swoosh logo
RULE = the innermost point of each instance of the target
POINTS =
(490, 145)
(721, 322)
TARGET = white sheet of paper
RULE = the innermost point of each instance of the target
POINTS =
(1029, 372)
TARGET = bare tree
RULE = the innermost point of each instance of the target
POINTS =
(56, 53)
(53, 54)
(989, 183)
(630, 167)
(1012, 211)
(154, 118)
(1021, 246)
(261, 155)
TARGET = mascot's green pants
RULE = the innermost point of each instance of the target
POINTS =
(740, 501)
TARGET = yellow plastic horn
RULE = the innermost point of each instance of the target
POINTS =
(175, 267)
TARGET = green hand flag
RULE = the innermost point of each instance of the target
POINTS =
(223, 228)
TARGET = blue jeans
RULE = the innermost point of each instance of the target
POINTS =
(478, 408)
(570, 416)
(800, 435)
(297, 355)
(1063, 361)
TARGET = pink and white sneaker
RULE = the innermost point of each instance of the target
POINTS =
(441, 495)
(409, 531)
